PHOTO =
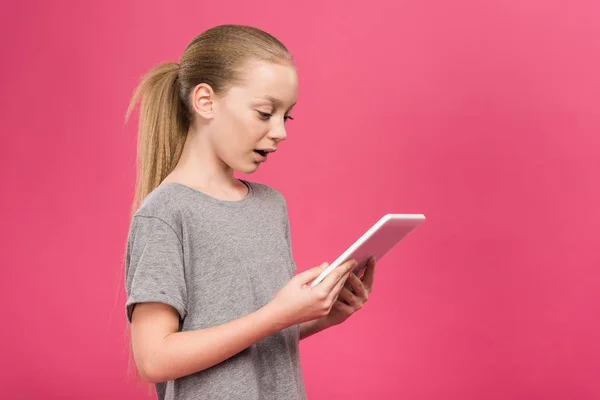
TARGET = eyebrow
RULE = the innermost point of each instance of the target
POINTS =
(276, 102)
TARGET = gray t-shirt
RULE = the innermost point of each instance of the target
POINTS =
(215, 261)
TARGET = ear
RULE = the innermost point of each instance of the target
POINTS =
(202, 101)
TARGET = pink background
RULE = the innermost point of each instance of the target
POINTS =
(484, 115)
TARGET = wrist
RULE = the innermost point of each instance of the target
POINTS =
(320, 324)
(325, 323)
(275, 317)
(311, 327)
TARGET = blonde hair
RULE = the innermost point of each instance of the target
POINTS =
(215, 57)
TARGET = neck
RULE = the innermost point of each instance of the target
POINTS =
(199, 167)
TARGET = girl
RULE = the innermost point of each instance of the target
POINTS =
(215, 310)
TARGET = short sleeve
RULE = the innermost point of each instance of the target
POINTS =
(288, 237)
(154, 267)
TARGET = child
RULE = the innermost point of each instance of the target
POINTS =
(215, 310)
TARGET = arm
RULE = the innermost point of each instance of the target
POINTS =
(162, 353)
(311, 327)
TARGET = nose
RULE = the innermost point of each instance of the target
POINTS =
(278, 133)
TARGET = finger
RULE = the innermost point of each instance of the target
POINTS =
(361, 273)
(357, 286)
(311, 274)
(344, 308)
(339, 298)
(336, 275)
(338, 287)
(350, 299)
(369, 275)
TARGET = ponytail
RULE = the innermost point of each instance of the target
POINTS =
(163, 126)
(162, 130)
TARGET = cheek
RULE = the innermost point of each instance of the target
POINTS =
(231, 127)
(252, 129)
(239, 132)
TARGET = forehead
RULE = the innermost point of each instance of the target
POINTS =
(269, 80)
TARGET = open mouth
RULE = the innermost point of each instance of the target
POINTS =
(261, 152)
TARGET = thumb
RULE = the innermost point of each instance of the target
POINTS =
(312, 274)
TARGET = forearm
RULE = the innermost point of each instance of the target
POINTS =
(184, 353)
(311, 327)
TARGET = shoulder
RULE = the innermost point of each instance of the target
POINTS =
(162, 204)
(267, 193)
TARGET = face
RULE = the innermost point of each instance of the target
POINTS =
(250, 119)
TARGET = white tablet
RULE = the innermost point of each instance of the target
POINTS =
(377, 241)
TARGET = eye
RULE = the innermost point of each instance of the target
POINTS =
(264, 116)
(288, 117)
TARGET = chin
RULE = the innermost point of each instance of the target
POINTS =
(242, 166)
(247, 169)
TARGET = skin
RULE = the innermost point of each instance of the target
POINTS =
(225, 131)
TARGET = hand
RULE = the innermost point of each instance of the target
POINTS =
(297, 302)
(350, 301)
